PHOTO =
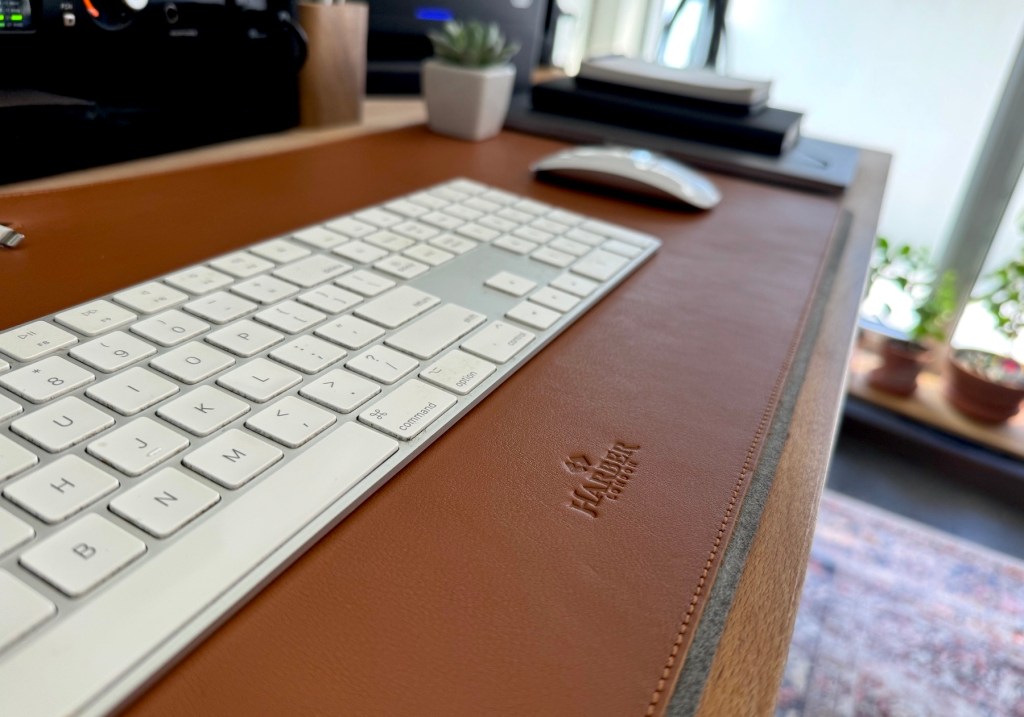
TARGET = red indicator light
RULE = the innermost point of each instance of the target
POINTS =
(89, 8)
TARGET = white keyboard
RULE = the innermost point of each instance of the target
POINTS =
(165, 450)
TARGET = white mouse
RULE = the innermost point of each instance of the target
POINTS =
(633, 170)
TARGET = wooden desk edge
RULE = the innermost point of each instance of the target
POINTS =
(751, 656)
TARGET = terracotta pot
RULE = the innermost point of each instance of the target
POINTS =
(902, 361)
(984, 386)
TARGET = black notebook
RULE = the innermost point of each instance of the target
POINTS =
(770, 131)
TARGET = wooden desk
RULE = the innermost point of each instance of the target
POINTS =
(748, 663)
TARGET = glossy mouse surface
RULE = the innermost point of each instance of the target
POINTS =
(632, 170)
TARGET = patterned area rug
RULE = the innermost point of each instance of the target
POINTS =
(898, 620)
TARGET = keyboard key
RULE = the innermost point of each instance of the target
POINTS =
(458, 371)
(428, 200)
(83, 555)
(408, 410)
(496, 197)
(378, 217)
(382, 364)
(280, 251)
(265, 289)
(47, 379)
(13, 532)
(58, 490)
(4, 365)
(9, 408)
(364, 282)
(170, 328)
(515, 244)
(136, 447)
(24, 609)
(150, 298)
(554, 299)
(575, 285)
(441, 220)
(430, 335)
(312, 270)
(569, 246)
(510, 283)
(612, 231)
(553, 257)
(532, 234)
(291, 421)
(14, 459)
(564, 217)
(133, 391)
(599, 265)
(241, 264)
(360, 252)
(307, 354)
(585, 237)
(199, 280)
(428, 254)
(389, 241)
(319, 238)
(203, 410)
(34, 340)
(533, 315)
(401, 267)
(165, 502)
(233, 458)
(62, 424)
(350, 332)
(492, 221)
(397, 306)
(482, 204)
(446, 193)
(352, 228)
(259, 380)
(467, 186)
(416, 231)
(220, 307)
(514, 215)
(453, 244)
(498, 342)
(245, 338)
(550, 226)
(112, 352)
(340, 391)
(406, 208)
(478, 232)
(192, 362)
(532, 207)
(464, 212)
(290, 317)
(330, 298)
(95, 317)
(620, 247)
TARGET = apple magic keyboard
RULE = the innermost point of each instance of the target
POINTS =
(166, 450)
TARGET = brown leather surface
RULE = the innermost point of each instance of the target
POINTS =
(467, 585)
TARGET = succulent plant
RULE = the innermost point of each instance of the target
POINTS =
(472, 44)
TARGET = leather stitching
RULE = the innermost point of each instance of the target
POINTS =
(733, 500)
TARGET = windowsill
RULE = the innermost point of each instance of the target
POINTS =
(928, 405)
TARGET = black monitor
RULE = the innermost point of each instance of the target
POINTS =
(398, 41)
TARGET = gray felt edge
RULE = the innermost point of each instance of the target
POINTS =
(695, 670)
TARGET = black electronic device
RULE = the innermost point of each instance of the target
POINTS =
(398, 44)
(90, 82)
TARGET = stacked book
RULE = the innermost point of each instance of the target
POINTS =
(697, 105)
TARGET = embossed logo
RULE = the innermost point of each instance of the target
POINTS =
(603, 481)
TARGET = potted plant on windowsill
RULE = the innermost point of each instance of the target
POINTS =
(468, 84)
(930, 304)
(985, 386)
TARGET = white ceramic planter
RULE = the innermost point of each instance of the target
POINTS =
(464, 102)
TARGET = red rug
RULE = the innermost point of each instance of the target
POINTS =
(899, 620)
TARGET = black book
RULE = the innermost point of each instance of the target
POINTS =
(770, 131)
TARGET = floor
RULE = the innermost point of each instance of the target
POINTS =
(930, 477)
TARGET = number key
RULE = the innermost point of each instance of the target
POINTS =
(46, 379)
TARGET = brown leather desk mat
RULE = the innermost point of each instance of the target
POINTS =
(468, 584)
